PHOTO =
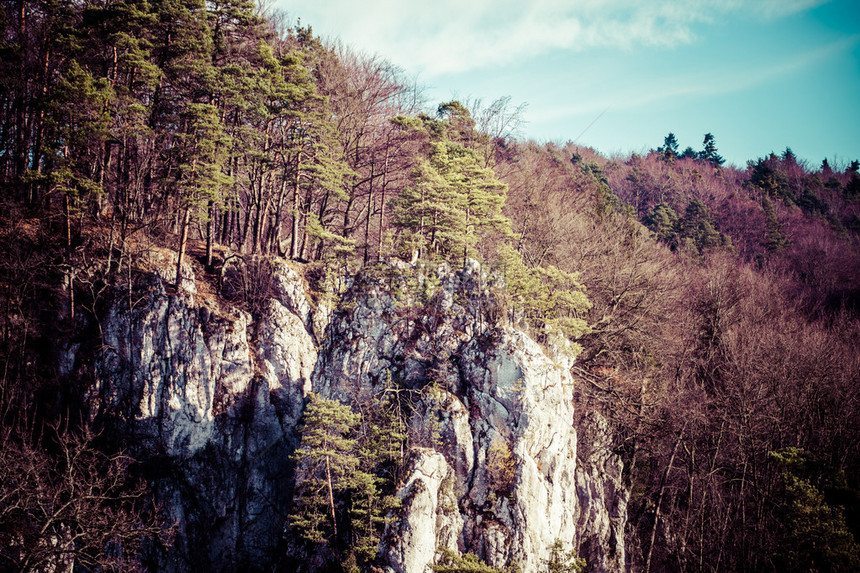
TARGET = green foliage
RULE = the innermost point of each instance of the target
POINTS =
(326, 467)
(561, 561)
(553, 301)
(709, 151)
(451, 562)
(452, 204)
(381, 451)
(816, 535)
(669, 151)
(346, 472)
(501, 466)
(606, 202)
(698, 226)
(664, 222)
(776, 241)
(328, 241)
(80, 123)
(202, 152)
(767, 174)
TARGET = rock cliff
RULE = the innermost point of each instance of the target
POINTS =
(211, 397)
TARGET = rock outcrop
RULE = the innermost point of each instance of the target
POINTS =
(211, 397)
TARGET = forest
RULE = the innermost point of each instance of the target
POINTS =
(714, 309)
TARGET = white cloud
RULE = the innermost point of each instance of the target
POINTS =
(450, 36)
(631, 96)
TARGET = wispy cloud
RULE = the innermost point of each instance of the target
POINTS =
(450, 36)
(632, 96)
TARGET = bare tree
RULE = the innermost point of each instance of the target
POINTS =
(63, 504)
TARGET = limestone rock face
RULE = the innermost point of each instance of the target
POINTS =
(211, 399)
(211, 396)
(489, 401)
(429, 513)
(601, 509)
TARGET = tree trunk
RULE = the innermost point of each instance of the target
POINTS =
(382, 206)
(275, 243)
(369, 216)
(330, 496)
(294, 237)
(210, 234)
(183, 239)
(660, 498)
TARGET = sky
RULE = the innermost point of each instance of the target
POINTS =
(619, 75)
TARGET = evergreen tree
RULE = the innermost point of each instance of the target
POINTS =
(380, 453)
(452, 204)
(689, 153)
(669, 151)
(80, 126)
(698, 227)
(561, 561)
(663, 221)
(326, 466)
(341, 500)
(552, 301)
(816, 536)
(768, 175)
(451, 562)
(852, 188)
(201, 149)
(709, 151)
(776, 241)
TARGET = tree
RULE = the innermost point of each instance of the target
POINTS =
(663, 221)
(451, 562)
(202, 149)
(326, 466)
(776, 240)
(74, 508)
(709, 151)
(767, 174)
(852, 189)
(452, 204)
(669, 151)
(688, 153)
(561, 561)
(552, 301)
(817, 537)
(698, 226)
(381, 448)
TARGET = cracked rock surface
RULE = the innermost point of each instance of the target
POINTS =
(211, 396)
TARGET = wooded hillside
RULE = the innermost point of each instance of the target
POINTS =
(715, 309)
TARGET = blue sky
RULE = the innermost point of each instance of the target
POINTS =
(761, 75)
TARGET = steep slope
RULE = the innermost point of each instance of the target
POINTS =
(211, 398)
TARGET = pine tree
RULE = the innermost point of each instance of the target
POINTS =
(201, 151)
(663, 221)
(561, 561)
(451, 562)
(80, 127)
(452, 204)
(698, 227)
(553, 301)
(816, 536)
(326, 466)
(776, 241)
(669, 151)
(709, 151)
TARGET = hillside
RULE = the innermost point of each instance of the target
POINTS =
(216, 230)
